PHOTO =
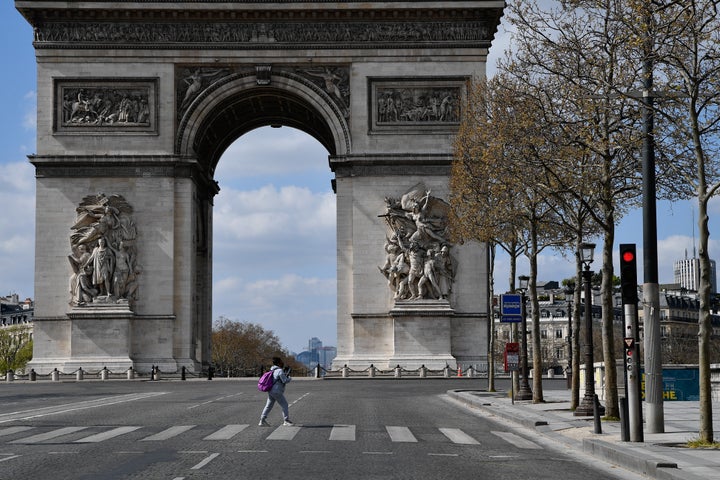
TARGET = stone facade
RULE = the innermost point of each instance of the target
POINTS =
(140, 99)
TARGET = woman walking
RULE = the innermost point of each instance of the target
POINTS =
(277, 394)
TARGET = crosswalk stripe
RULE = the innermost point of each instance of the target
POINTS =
(284, 433)
(400, 434)
(343, 433)
(99, 437)
(517, 440)
(168, 433)
(458, 436)
(226, 433)
(41, 437)
(13, 430)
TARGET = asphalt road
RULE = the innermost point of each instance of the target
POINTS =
(345, 429)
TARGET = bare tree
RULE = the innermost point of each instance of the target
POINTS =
(576, 58)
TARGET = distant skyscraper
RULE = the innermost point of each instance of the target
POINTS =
(314, 344)
(687, 274)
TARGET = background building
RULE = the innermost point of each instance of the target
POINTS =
(687, 274)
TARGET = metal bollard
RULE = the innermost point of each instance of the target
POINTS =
(104, 373)
(10, 376)
(182, 373)
(470, 372)
(33, 375)
(130, 373)
(423, 371)
(317, 371)
(345, 372)
(446, 371)
(55, 375)
(79, 374)
(398, 372)
(371, 371)
(596, 414)
(211, 372)
(156, 375)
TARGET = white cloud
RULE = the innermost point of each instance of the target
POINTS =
(267, 151)
(294, 307)
(17, 228)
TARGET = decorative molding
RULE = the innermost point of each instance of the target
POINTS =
(415, 105)
(105, 106)
(285, 35)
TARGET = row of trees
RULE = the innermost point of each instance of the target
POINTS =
(549, 150)
(242, 349)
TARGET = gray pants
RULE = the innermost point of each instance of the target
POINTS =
(278, 397)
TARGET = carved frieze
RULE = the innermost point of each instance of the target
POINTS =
(105, 105)
(418, 263)
(415, 104)
(192, 80)
(286, 34)
(103, 253)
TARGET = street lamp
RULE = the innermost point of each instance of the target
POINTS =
(569, 292)
(586, 407)
(524, 392)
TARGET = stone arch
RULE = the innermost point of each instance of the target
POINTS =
(140, 101)
(229, 108)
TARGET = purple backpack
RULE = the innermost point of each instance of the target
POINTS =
(266, 381)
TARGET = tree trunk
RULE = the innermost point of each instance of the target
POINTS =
(608, 338)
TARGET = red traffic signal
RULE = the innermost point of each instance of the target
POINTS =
(628, 273)
(628, 255)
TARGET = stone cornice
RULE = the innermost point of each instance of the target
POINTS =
(71, 166)
(163, 25)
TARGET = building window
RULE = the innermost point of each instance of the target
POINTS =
(558, 333)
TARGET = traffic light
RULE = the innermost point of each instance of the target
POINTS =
(628, 273)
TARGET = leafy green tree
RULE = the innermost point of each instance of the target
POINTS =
(15, 348)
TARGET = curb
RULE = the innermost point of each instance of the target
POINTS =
(622, 455)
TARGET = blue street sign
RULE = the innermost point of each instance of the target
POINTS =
(511, 305)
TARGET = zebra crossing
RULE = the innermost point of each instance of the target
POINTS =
(26, 435)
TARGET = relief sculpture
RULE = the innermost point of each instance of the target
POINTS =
(418, 264)
(104, 254)
(417, 105)
(105, 106)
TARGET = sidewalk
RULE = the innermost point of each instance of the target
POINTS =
(661, 456)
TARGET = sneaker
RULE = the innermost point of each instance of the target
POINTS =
(263, 423)
(288, 423)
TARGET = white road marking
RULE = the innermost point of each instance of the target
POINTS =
(9, 458)
(400, 434)
(12, 430)
(343, 433)
(458, 436)
(71, 407)
(99, 437)
(42, 437)
(284, 433)
(168, 433)
(227, 432)
(205, 461)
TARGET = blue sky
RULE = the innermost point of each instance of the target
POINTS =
(274, 236)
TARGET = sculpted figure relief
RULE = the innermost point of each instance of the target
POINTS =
(418, 264)
(104, 256)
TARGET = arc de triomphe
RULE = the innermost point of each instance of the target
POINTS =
(137, 101)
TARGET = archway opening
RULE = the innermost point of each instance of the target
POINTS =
(274, 236)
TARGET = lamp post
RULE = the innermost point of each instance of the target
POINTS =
(524, 392)
(587, 405)
(568, 298)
